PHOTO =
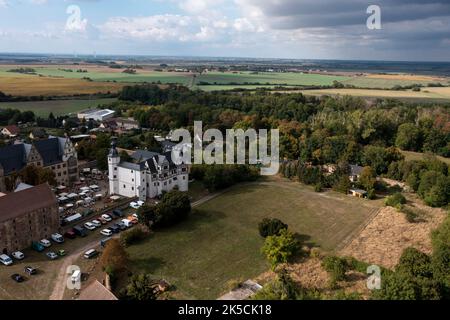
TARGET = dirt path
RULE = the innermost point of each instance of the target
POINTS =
(60, 283)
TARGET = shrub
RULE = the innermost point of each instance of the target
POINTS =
(318, 187)
(134, 235)
(336, 266)
(395, 200)
(280, 248)
(270, 227)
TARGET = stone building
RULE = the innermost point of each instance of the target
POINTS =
(55, 153)
(26, 216)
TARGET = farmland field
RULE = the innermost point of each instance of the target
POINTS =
(65, 80)
(220, 242)
(424, 94)
(58, 107)
(31, 85)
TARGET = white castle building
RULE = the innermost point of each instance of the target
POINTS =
(149, 175)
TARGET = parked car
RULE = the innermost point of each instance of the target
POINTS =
(70, 234)
(62, 253)
(107, 217)
(132, 219)
(57, 238)
(30, 270)
(140, 203)
(90, 226)
(114, 228)
(37, 246)
(121, 225)
(90, 253)
(134, 205)
(106, 232)
(80, 231)
(51, 255)
(118, 213)
(6, 260)
(96, 223)
(102, 221)
(18, 255)
(17, 278)
(46, 243)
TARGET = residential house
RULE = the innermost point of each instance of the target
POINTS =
(11, 131)
(26, 216)
(354, 172)
(358, 193)
(38, 133)
(126, 124)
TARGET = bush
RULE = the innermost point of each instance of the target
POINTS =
(174, 207)
(336, 266)
(133, 236)
(271, 227)
(318, 187)
(280, 248)
(395, 200)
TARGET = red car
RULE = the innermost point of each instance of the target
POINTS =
(102, 221)
(70, 234)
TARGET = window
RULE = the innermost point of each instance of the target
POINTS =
(124, 186)
(115, 177)
(132, 188)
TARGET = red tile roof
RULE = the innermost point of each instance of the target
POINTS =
(96, 291)
(13, 129)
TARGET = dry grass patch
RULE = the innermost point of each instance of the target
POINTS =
(383, 240)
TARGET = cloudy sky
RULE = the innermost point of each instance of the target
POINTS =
(304, 29)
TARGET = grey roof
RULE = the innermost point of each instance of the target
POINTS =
(355, 170)
(50, 151)
(143, 155)
(22, 186)
(132, 166)
(359, 191)
(13, 158)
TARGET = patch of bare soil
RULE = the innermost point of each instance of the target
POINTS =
(383, 240)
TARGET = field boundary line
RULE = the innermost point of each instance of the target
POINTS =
(346, 242)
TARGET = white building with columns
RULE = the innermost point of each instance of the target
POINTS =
(149, 175)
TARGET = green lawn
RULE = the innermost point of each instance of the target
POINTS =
(58, 107)
(220, 241)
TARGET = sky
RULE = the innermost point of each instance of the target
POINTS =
(411, 30)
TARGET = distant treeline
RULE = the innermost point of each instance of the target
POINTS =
(10, 98)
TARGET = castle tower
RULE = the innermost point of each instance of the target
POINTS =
(113, 170)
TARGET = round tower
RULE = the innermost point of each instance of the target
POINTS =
(113, 170)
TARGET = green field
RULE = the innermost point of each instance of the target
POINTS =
(58, 107)
(272, 78)
(418, 156)
(102, 75)
(220, 241)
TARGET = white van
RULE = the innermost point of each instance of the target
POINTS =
(90, 253)
(76, 276)
(6, 260)
(127, 223)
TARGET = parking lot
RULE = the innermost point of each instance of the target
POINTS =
(51, 275)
